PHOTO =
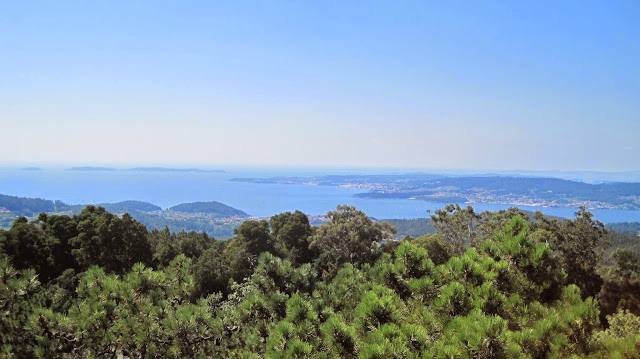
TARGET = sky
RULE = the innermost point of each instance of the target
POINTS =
(537, 85)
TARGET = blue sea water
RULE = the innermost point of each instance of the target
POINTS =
(260, 200)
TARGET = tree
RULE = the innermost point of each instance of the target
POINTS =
(144, 314)
(457, 225)
(578, 244)
(166, 245)
(254, 239)
(492, 222)
(212, 271)
(26, 245)
(60, 229)
(291, 232)
(350, 236)
(110, 242)
(16, 291)
(627, 263)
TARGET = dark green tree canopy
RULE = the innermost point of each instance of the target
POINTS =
(355, 292)
(110, 242)
(291, 232)
(350, 236)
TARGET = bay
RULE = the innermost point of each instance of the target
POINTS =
(167, 189)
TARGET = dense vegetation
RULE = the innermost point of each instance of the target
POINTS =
(489, 285)
(625, 227)
(412, 227)
(218, 229)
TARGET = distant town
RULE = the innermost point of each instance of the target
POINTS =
(517, 191)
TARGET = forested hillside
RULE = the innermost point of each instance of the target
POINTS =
(214, 208)
(30, 205)
(214, 218)
(506, 286)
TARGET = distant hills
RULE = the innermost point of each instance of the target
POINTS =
(215, 218)
(29, 206)
(122, 207)
(216, 208)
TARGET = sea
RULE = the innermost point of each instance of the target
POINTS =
(167, 189)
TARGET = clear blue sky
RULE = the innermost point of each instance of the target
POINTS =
(442, 84)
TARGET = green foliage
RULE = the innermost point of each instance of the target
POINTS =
(108, 241)
(457, 225)
(43, 245)
(538, 274)
(412, 227)
(275, 274)
(143, 314)
(621, 339)
(265, 293)
(378, 307)
(17, 289)
(221, 228)
(339, 337)
(291, 232)
(350, 237)
(166, 245)
(476, 335)
(212, 272)
(439, 250)
(626, 263)
(255, 239)
(578, 245)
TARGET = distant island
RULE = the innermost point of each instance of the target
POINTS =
(517, 191)
(146, 169)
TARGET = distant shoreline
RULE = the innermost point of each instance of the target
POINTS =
(505, 190)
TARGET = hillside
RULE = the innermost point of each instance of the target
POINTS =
(29, 206)
(214, 218)
(214, 208)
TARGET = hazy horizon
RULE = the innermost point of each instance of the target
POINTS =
(488, 86)
(265, 171)
(222, 166)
